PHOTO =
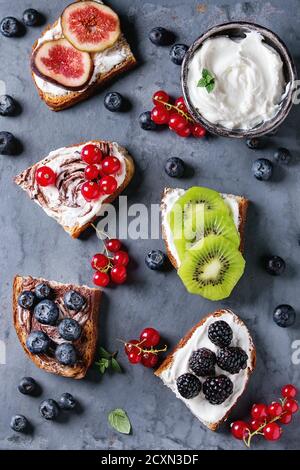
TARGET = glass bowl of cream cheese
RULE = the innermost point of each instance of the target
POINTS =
(238, 80)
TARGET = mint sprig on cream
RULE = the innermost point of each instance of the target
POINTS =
(207, 81)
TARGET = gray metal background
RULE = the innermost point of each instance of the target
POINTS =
(32, 243)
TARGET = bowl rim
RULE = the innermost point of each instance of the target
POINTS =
(267, 126)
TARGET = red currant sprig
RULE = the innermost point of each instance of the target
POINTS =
(144, 350)
(264, 418)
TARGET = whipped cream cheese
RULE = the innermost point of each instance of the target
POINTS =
(65, 202)
(171, 196)
(199, 406)
(249, 81)
(103, 61)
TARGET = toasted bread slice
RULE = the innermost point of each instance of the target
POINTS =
(176, 364)
(238, 205)
(110, 63)
(88, 318)
(64, 201)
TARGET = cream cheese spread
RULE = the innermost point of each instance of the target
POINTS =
(249, 81)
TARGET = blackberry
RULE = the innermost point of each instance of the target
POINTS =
(232, 359)
(188, 385)
(220, 333)
(202, 362)
(217, 389)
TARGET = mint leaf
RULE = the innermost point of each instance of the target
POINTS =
(207, 81)
(115, 365)
(210, 87)
(119, 421)
(102, 364)
(104, 353)
(202, 82)
(206, 73)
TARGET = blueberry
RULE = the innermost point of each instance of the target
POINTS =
(113, 101)
(66, 354)
(10, 27)
(46, 312)
(27, 386)
(49, 409)
(174, 167)
(275, 265)
(67, 401)
(38, 342)
(283, 156)
(284, 316)
(19, 423)
(8, 143)
(155, 260)
(69, 329)
(262, 169)
(254, 143)
(146, 122)
(177, 53)
(32, 17)
(161, 36)
(26, 299)
(8, 106)
(43, 291)
(74, 301)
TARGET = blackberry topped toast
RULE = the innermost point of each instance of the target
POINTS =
(62, 196)
(57, 324)
(79, 53)
(210, 367)
(204, 235)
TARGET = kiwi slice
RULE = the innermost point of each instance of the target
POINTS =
(189, 209)
(212, 268)
(212, 223)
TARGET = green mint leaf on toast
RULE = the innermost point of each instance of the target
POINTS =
(119, 421)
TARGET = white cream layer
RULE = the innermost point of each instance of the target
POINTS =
(199, 406)
(249, 81)
(169, 200)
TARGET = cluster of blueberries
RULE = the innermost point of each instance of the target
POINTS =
(49, 409)
(262, 168)
(46, 312)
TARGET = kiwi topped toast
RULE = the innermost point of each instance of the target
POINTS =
(204, 235)
(79, 53)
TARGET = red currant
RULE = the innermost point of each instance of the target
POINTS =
(134, 357)
(118, 274)
(91, 172)
(180, 104)
(286, 417)
(149, 359)
(108, 184)
(259, 411)
(90, 190)
(289, 391)
(275, 409)
(256, 424)
(113, 245)
(91, 154)
(272, 432)
(149, 337)
(45, 176)
(160, 115)
(177, 122)
(291, 405)
(160, 95)
(101, 279)
(121, 257)
(130, 346)
(185, 132)
(110, 165)
(99, 261)
(198, 131)
(239, 429)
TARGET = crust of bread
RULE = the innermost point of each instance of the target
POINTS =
(243, 208)
(58, 103)
(90, 332)
(169, 359)
(76, 231)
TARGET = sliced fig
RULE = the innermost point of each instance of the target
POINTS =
(60, 63)
(90, 26)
